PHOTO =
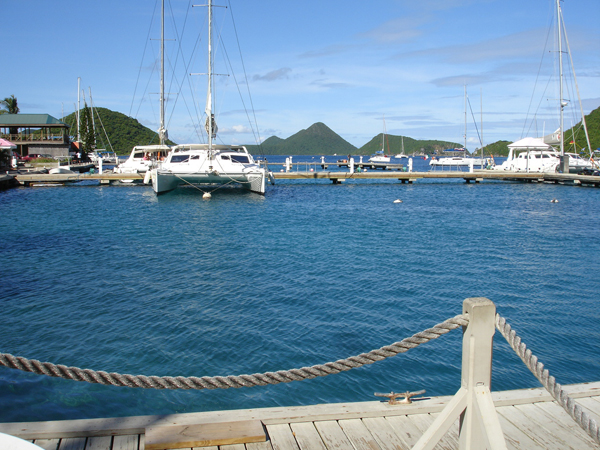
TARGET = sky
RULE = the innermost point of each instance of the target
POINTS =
(360, 67)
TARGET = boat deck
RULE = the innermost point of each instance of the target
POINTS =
(530, 419)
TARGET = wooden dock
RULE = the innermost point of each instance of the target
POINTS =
(530, 419)
(338, 177)
(474, 418)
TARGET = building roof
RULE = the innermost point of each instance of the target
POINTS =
(30, 120)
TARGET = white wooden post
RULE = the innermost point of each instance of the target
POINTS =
(479, 425)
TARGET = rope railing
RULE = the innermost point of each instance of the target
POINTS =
(587, 423)
(233, 381)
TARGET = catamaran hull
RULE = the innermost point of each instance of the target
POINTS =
(163, 182)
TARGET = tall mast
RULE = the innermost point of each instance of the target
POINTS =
(560, 75)
(465, 117)
(210, 75)
(161, 131)
(78, 107)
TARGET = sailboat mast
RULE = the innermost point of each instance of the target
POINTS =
(78, 108)
(210, 75)
(560, 70)
(161, 130)
(465, 136)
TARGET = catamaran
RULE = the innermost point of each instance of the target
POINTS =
(209, 164)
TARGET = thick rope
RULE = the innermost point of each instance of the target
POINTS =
(589, 425)
(283, 376)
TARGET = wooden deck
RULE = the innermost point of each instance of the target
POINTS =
(529, 419)
(336, 177)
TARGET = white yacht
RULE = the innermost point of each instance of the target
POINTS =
(530, 155)
(538, 154)
(380, 157)
(142, 159)
(456, 161)
(209, 164)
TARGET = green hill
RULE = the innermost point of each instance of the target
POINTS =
(318, 139)
(592, 120)
(499, 148)
(124, 132)
(393, 145)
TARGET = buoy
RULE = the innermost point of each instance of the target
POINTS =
(397, 201)
(553, 201)
(207, 195)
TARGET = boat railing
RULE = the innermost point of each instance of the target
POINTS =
(472, 405)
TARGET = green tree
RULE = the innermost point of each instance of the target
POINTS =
(10, 105)
(87, 132)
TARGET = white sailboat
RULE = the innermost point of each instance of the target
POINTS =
(206, 164)
(144, 158)
(402, 154)
(460, 159)
(538, 154)
(380, 156)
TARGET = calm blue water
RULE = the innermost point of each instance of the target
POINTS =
(113, 278)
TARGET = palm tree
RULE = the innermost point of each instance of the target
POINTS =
(10, 105)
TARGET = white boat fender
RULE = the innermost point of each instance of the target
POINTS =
(147, 177)
(206, 195)
(398, 201)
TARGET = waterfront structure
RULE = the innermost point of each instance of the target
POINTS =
(36, 133)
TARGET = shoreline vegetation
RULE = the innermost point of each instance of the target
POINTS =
(126, 132)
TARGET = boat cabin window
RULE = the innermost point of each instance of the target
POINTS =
(179, 158)
(225, 157)
(139, 155)
(240, 159)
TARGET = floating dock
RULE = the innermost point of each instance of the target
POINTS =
(338, 177)
(530, 419)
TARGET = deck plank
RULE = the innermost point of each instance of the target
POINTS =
(532, 428)
(555, 419)
(259, 446)
(232, 447)
(332, 434)
(358, 434)
(515, 438)
(282, 437)
(406, 429)
(125, 442)
(592, 407)
(384, 433)
(72, 444)
(448, 442)
(99, 443)
(307, 436)
(47, 444)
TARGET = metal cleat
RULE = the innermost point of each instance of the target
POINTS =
(393, 396)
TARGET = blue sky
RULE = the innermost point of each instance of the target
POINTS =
(346, 63)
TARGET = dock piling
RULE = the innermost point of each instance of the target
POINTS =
(479, 424)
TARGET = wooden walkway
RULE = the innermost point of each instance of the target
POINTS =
(529, 419)
(337, 177)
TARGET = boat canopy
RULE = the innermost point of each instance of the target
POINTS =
(530, 144)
